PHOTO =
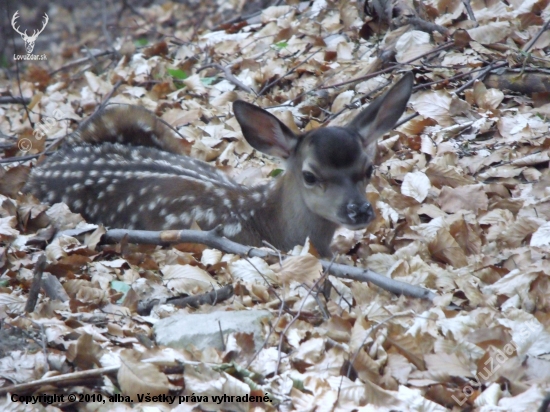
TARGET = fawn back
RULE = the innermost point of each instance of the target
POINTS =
(123, 169)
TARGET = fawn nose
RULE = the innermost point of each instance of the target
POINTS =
(360, 212)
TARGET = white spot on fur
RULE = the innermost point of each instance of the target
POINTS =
(172, 219)
(210, 216)
(232, 229)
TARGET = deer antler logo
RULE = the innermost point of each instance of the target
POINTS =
(29, 40)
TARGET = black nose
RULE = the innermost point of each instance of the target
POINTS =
(360, 213)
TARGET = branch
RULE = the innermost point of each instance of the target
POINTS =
(481, 75)
(292, 70)
(470, 11)
(67, 378)
(82, 60)
(14, 99)
(211, 298)
(213, 239)
(391, 68)
(229, 76)
(36, 284)
(534, 40)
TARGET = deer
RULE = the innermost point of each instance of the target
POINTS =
(29, 40)
(120, 170)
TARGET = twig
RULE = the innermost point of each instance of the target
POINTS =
(450, 79)
(91, 56)
(126, 5)
(372, 329)
(108, 97)
(64, 379)
(391, 68)
(23, 158)
(274, 82)
(481, 75)
(237, 19)
(424, 25)
(36, 284)
(295, 318)
(406, 119)
(14, 99)
(210, 298)
(212, 238)
(471, 14)
(534, 40)
(229, 76)
(354, 102)
(221, 335)
(106, 33)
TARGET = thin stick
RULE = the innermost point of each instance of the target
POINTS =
(36, 284)
(229, 76)
(65, 379)
(534, 40)
(471, 14)
(391, 68)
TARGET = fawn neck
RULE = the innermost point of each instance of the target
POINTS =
(286, 220)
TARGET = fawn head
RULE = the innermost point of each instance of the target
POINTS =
(329, 168)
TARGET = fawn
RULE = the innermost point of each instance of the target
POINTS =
(119, 170)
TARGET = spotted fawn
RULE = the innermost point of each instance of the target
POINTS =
(122, 169)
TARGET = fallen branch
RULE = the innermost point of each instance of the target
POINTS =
(92, 56)
(481, 76)
(534, 40)
(67, 378)
(229, 76)
(36, 284)
(444, 46)
(292, 70)
(210, 298)
(14, 99)
(423, 25)
(213, 239)
(470, 11)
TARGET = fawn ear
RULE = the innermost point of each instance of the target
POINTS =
(264, 131)
(384, 112)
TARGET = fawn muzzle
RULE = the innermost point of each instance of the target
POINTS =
(361, 214)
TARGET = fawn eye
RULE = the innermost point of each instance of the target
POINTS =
(309, 178)
(370, 169)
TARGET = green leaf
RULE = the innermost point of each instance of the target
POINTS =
(178, 74)
(142, 42)
(276, 172)
(280, 45)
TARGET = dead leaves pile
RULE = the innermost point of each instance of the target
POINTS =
(462, 197)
